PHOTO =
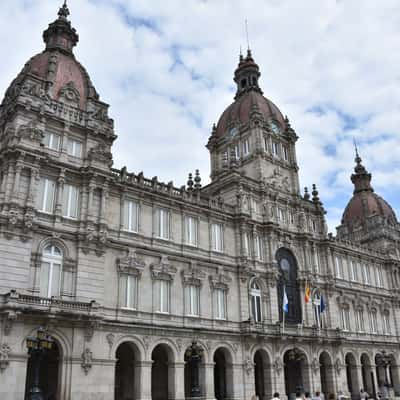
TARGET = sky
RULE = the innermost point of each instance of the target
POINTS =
(166, 69)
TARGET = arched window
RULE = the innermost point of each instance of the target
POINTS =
(50, 271)
(288, 283)
(255, 301)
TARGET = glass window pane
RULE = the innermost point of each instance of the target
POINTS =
(50, 187)
(44, 279)
(55, 279)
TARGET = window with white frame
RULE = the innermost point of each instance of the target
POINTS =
(338, 267)
(46, 195)
(220, 303)
(345, 318)
(373, 321)
(275, 148)
(366, 274)
(254, 205)
(217, 237)
(74, 148)
(192, 300)
(70, 201)
(285, 151)
(237, 151)
(191, 229)
(246, 243)
(359, 320)
(162, 217)
(131, 216)
(246, 147)
(386, 323)
(52, 141)
(50, 271)
(163, 296)
(266, 140)
(255, 302)
(129, 290)
(258, 247)
(379, 276)
(353, 271)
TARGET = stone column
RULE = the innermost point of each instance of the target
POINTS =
(103, 206)
(249, 380)
(16, 189)
(209, 393)
(9, 183)
(144, 380)
(91, 187)
(60, 191)
(33, 184)
(177, 389)
(235, 388)
(278, 378)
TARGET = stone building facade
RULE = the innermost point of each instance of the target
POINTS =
(125, 272)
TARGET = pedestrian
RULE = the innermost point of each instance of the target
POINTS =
(298, 396)
(363, 394)
(317, 396)
(276, 396)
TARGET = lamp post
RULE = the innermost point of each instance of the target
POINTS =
(37, 347)
(194, 354)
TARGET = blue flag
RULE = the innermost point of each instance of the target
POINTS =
(285, 305)
(322, 305)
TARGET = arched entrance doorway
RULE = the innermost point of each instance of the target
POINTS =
(262, 375)
(367, 376)
(394, 375)
(194, 371)
(351, 373)
(222, 374)
(288, 281)
(126, 372)
(49, 373)
(296, 372)
(162, 379)
(326, 373)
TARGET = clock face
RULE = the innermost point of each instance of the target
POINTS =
(274, 127)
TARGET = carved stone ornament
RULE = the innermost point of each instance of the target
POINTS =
(69, 94)
(130, 264)
(101, 153)
(87, 359)
(179, 344)
(220, 279)
(110, 339)
(338, 366)
(146, 342)
(193, 276)
(235, 347)
(315, 365)
(163, 270)
(31, 131)
(5, 351)
(248, 366)
(278, 365)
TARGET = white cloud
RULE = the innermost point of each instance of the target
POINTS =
(338, 57)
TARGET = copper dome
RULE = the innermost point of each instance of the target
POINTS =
(249, 98)
(365, 203)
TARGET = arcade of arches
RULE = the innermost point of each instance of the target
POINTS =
(164, 377)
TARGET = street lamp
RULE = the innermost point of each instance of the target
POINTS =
(194, 355)
(37, 347)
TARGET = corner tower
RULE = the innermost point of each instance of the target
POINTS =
(252, 137)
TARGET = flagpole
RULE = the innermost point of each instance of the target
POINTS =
(283, 310)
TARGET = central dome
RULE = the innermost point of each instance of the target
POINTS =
(249, 98)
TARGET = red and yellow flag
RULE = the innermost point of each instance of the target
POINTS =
(307, 296)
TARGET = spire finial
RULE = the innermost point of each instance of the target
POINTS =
(63, 12)
(247, 35)
(358, 158)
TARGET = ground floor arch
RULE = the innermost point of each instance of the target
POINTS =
(162, 372)
(262, 375)
(194, 371)
(368, 381)
(49, 372)
(127, 373)
(223, 374)
(296, 372)
(353, 384)
(326, 374)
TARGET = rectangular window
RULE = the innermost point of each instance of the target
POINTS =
(265, 143)
(163, 223)
(359, 321)
(51, 141)
(50, 279)
(191, 227)
(74, 148)
(129, 291)
(254, 205)
(366, 274)
(192, 300)
(258, 247)
(379, 276)
(386, 324)
(163, 296)
(217, 238)
(345, 319)
(236, 151)
(220, 303)
(131, 216)
(47, 189)
(246, 147)
(338, 267)
(353, 272)
(285, 153)
(70, 201)
(275, 149)
(373, 322)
